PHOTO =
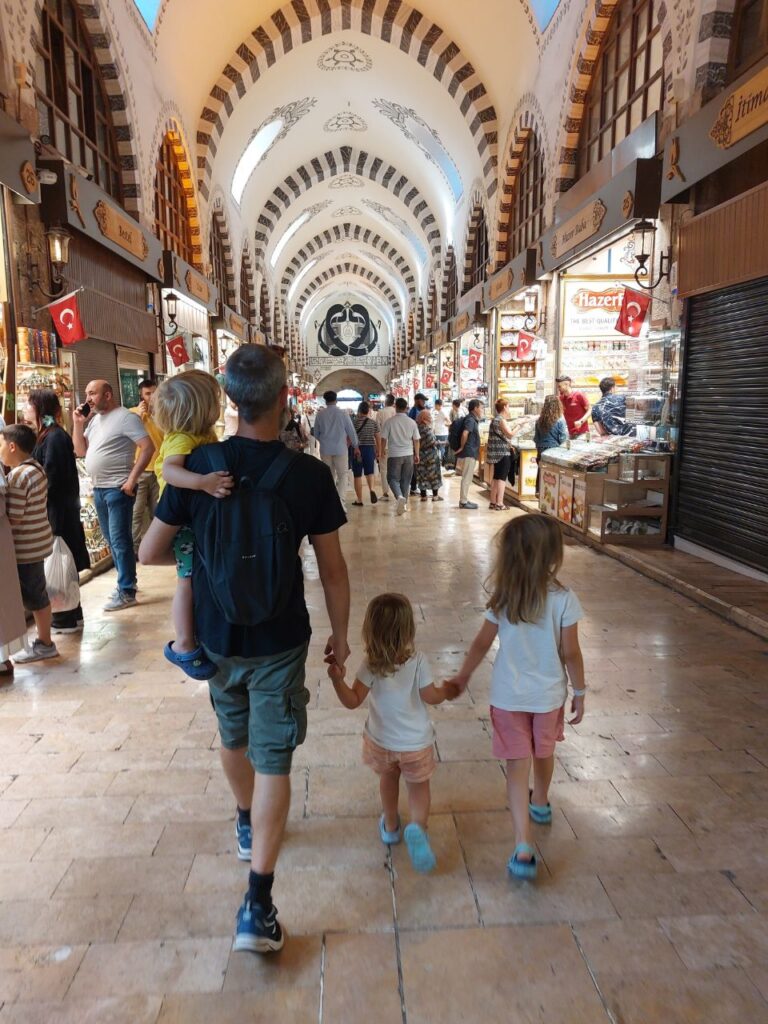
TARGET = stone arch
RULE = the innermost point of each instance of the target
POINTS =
(246, 273)
(526, 121)
(265, 314)
(358, 271)
(117, 88)
(594, 27)
(450, 269)
(168, 127)
(350, 377)
(330, 164)
(392, 21)
(348, 232)
(478, 211)
(218, 216)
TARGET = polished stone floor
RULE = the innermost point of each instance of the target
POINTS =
(119, 884)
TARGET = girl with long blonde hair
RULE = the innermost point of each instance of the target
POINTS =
(536, 620)
(398, 738)
(186, 408)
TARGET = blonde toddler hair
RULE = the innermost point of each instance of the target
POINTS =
(530, 554)
(389, 633)
(188, 403)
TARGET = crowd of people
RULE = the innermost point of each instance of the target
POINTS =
(239, 614)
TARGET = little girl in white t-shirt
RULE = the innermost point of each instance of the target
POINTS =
(536, 619)
(398, 738)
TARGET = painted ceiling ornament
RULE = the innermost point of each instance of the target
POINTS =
(348, 211)
(347, 181)
(345, 121)
(347, 330)
(417, 131)
(344, 56)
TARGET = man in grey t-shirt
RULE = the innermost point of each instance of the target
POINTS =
(109, 436)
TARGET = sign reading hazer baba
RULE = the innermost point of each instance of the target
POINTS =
(743, 112)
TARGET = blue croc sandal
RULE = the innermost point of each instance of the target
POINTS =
(419, 850)
(389, 838)
(196, 664)
(542, 815)
(523, 868)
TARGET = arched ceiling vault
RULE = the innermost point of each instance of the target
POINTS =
(354, 270)
(350, 286)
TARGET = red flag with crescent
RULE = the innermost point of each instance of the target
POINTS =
(524, 345)
(65, 314)
(634, 310)
(177, 350)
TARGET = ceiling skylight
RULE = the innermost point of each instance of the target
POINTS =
(254, 153)
(149, 10)
(302, 275)
(290, 232)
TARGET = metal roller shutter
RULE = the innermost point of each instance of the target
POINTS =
(722, 500)
(95, 360)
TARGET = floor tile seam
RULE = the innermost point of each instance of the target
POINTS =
(608, 1012)
(471, 880)
(731, 876)
(323, 950)
(396, 933)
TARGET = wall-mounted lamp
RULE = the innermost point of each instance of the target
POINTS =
(647, 229)
(57, 244)
(171, 308)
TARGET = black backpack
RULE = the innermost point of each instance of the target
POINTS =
(455, 431)
(248, 548)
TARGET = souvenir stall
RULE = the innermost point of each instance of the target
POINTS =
(470, 331)
(188, 301)
(445, 351)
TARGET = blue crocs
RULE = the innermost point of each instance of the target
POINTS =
(526, 869)
(196, 664)
(542, 815)
(419, 850)
(389, 838)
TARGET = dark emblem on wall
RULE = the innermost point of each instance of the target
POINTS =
(347, 331)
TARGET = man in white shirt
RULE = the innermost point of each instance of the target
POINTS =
(117, 450)
(441, 425)
(400, 444)
(335, 435)
(382, 416)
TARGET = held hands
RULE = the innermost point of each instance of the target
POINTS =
(455, 686)
(577, 710)
(336, 654)
(217, 484)
(336, 673)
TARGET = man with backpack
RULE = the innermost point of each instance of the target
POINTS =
(250, 612)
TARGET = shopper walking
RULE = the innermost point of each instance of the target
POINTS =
(469, 452)
(456, 412)
(500, 455)
(258, 693)
(400, 444)
(147, 488)
(384, 414)
(56, 454)
(419, 405)
(536, 620)
(428, 477)
(335, 434)
(367, 430)
(13, 625)
(108, 435)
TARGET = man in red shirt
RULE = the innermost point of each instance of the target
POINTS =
(575, 407)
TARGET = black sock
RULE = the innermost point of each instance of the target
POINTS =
(260, 889)
(243, 817)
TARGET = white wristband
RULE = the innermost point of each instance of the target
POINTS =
(579, 693)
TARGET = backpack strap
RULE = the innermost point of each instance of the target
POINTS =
(280, 467)
(214, 454)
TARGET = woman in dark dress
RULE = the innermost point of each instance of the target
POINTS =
(56, 455)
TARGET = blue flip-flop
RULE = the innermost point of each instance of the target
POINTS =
(389, 838)
(419, 850)
(196, 664)
(541, 814)
(526, 869)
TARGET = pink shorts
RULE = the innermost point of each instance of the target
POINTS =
(414, 765)
(519, 734)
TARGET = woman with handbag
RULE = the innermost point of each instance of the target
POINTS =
(500, 455)
(56, 454)
(292, 435)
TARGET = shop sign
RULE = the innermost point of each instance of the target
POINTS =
(590, 308)
(578, 228)
(501, 284)
(439, 338)
(743, 112)
(17, 160)
(197, 286)
(122, 230)
(462, 323)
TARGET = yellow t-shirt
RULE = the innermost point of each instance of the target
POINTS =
(155, 435)
(179, 443)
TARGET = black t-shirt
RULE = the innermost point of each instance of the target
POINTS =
(313, 503)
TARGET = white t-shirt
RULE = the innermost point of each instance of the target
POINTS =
(528, 673)
(400, 432)
(442, 422)
(112, 439)
(385, 414)
(397, 716)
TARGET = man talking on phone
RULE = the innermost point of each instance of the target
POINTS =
(111, 438)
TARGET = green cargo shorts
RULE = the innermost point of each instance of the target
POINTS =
(261, 705)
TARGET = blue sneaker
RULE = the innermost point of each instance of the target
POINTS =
(419, 850)
(257, 931)
(244, 836)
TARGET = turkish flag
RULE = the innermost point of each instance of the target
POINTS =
(524, 345)
(177, 350)
(66, 319)
(634, 310)
(446, 377)
(429, 380)
(474, 360)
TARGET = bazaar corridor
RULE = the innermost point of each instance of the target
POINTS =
(119, 877)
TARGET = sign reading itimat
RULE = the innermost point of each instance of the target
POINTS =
(743, 112)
